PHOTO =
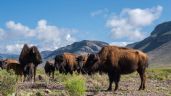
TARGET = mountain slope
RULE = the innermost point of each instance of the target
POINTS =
(12, 56)
(161, 55)
(157, 45)
(160, 35)
(82, 47)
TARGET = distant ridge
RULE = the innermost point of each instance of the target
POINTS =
(82, 47)
(157, 45)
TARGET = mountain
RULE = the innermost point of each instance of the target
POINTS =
(12, 56)
(82, 47)
(45, 54)
(157, 45)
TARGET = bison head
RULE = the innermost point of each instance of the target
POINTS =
(59, 65)
(80, 60)
(92, 64)
(35, 55)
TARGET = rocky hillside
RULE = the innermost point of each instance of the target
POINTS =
(82, 47)
(157, 45)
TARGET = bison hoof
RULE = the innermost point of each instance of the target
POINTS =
(140, 89)
(109, 89)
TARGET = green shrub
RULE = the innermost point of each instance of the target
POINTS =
(39, 94)
(76, 85)
(7, 82)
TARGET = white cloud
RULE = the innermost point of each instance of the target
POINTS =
(46, 37)
(15, 48)
(53, 36)
(103, 12)
(1, 33)
(120, 43)
(19, 29)
(129, 23)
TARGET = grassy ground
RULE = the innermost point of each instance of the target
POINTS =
(158, 84)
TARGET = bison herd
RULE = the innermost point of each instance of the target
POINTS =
(112, 60)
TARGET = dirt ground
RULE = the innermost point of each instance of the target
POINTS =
(96, 86)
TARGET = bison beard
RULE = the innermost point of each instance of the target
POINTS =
(116, 61)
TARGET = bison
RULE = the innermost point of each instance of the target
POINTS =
(58, 63)
(66, 63)
(11, 64)
(116, 61)
(81, 61)
(49, 68)
(30, 58)
(1, 64)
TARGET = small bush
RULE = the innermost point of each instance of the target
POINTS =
(7, 82)
(76, 85)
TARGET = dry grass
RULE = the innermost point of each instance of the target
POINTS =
(158, 84)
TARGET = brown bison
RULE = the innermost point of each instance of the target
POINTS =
(30, 58)
(14, 65)
(66, 63)
(58, 63)
(49, 68)
(115, 61)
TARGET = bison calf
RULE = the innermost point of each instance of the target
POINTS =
(49, 69)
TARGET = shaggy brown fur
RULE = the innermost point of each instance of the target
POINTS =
(70, 62)
(14, 65)
(115, 61)
(67, 63)
(49, 68)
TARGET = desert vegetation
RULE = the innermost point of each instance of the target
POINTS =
(158, 83)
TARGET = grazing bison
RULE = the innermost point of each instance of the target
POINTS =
(116, 61)
(14, 65)
(58, 63)
(30, 58)
(49, 68)
(66, 63)
(81, 61)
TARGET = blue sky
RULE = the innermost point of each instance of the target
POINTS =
(50, 24)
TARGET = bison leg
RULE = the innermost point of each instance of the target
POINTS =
(71, 72)
(34, 73)
(53, 74)
(110, 82)
(143, 79)
(49, 74)
(116, 80)
(24, 77)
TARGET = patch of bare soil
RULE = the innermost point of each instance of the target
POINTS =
(130, 88)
